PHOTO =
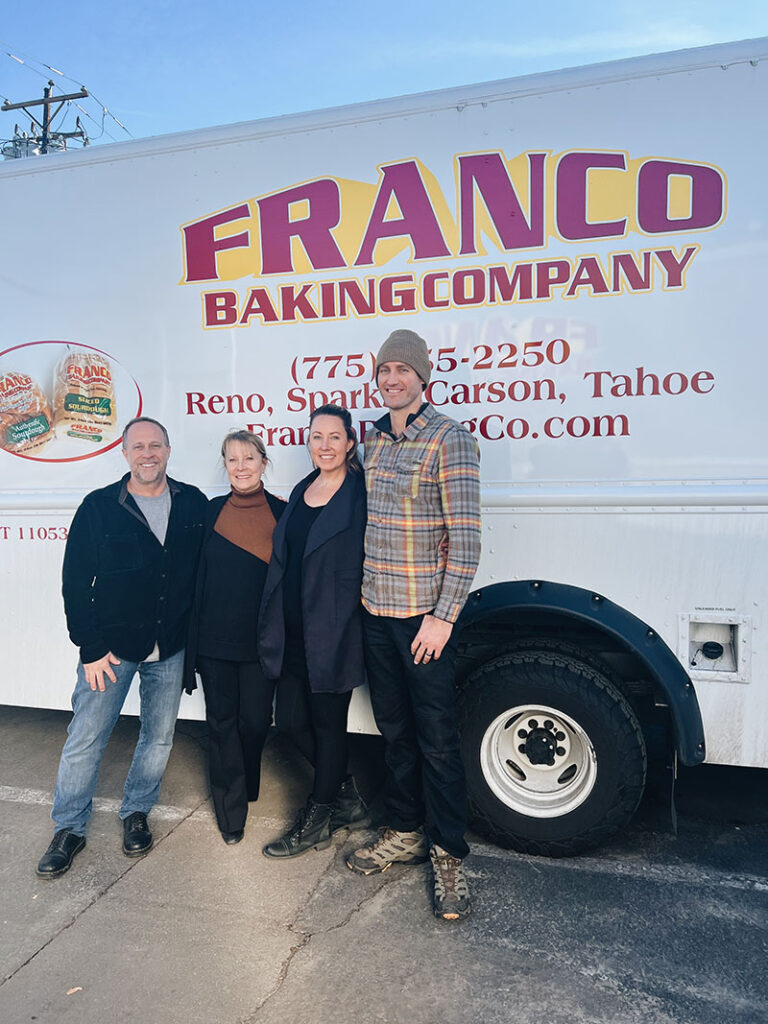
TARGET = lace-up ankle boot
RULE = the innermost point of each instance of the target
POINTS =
(310, 831)
(349, 810)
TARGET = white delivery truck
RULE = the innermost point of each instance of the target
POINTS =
(585, 253)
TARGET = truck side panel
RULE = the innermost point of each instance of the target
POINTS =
(584, 253)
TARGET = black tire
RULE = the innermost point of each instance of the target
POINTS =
(554, 755)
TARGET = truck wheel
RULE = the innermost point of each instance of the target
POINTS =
(554, 755)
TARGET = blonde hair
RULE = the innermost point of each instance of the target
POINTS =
(246, 437)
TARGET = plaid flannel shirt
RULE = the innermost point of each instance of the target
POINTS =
(422, 542)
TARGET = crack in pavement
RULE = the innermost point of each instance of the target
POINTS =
(306, 936)
(361, 903)
(294, 950)
(611, 980)
(96, 897)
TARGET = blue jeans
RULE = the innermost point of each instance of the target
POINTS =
(94, 718)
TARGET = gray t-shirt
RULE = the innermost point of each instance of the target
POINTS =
(156, 511)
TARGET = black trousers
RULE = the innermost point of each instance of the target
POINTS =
(415, 710)
(238, 703)
(317, 725)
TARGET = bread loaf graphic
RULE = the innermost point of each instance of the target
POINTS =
(26, 421)
(84, 397)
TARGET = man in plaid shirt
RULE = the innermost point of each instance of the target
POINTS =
(422, 546)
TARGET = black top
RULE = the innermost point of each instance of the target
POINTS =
(297, 531)
(330, 582)
(229, 609)
(238, 572)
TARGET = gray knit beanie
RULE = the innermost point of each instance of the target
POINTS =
(405, 347)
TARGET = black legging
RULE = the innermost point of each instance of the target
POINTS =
(238, 703)
(317, 724)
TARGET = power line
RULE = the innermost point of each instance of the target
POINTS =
(48, 138)
(18, 58)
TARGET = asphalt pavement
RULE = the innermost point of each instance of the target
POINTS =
(654, 928)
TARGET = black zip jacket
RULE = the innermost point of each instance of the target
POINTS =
(123, 590)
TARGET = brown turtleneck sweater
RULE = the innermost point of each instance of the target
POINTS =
(234, 568)
(247, 521)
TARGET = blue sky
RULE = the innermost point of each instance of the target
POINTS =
(164, 66)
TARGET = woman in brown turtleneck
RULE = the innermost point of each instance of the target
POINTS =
(222, 645)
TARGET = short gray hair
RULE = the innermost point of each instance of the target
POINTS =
(145, 419)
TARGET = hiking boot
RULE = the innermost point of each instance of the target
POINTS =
(310, 831)
(390, 847)
(60, 853)
(349, 811)
(451, 899)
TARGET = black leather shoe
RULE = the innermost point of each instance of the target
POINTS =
(230, 838)
(137, 838)
(61, 852)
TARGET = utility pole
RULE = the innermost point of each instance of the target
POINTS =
(47, 136)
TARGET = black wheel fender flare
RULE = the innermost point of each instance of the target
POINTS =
(631, 632)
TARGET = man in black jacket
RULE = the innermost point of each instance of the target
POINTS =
(128, 581)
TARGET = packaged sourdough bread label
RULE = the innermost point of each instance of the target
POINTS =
(26, 421)
(84, 397)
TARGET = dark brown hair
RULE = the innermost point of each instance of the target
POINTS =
(352, 459)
